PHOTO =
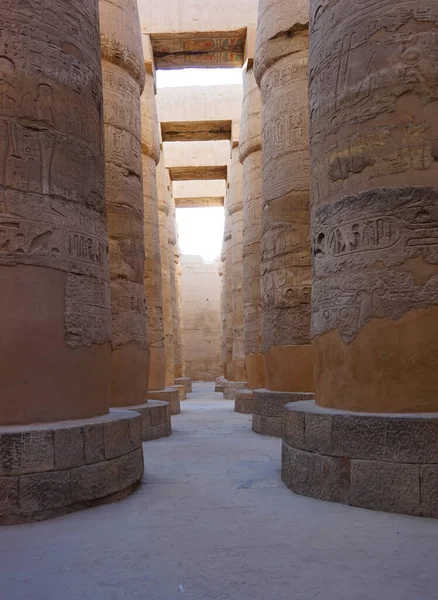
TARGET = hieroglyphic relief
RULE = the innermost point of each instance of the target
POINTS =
(52, 205)
(370, 251)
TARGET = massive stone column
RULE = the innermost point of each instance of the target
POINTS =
(169, 394)
(281, 72)
(228, 291)
(235, 210)
(374, 125)
(250, 155)
(123, 83)
(156, 414)
(55, 342)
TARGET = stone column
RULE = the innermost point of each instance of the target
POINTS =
(174, 253)
(228, 290)
(180, 374)
(156, 414)
(169, 394)
(281, 72)
(123, 82)
(250, 155)
(235, 209)
(55, 342)
(374, 104)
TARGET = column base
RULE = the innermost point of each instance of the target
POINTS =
(386, 462)
(186, 382)
(181, 392)
(269, 407)
(170, 395)
(219, 384)
(231, 387)
(244, 402)
(155, 419)
(52, 469)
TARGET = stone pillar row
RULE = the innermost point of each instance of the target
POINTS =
(369, 437)
(75, 285)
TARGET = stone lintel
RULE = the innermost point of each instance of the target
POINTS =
(56, 468)
(196, 131)
(211, 49)
(268, 409)
(208, 173)
(377, 461)
(207, 202)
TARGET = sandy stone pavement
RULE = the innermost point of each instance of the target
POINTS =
(212, 520)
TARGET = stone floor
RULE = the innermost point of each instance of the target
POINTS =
(213, 521)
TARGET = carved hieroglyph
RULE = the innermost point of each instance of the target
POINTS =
(374, 130)
(152, 272)
(123, 82)
(250, 151)
(235, 209)
(164, 207)
(281, 72)
(54, 275)
(174, 254)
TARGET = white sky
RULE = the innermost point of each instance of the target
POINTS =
(188, 77)
(201, 231)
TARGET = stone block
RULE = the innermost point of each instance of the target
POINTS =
(181, 392)
(266, 425)
(231, 387)
(69, 447)
(94, 445)
(318, 433)
(27, 451)
(122, 434)
(293, 427)
(186, 382)
(271, 404)
(358, 436)
(131, 468)
(8, 495)
(388, 486)
(95, 481)
(429, 490)
(244, 402)
(44, 491)
(412, 440)
(315, 475)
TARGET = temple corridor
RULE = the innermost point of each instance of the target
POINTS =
(212, 520)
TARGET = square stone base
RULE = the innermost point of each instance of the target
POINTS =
(244, 402)
(385, 462)
(181, 392)
(186, 382)
(155, 419)
(55, 468)
(268, 410)
(231, 387)
(219, 384)
(170, 395)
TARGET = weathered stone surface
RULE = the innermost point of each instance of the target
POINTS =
(387, 455)
(266, 425)
(131, 468)
(44, 491)
(315, 475)
(244, 402)
(123, 83)
(122, 434)
(185, 381)
(250, 155)
(201, 330)
(69, 448)
(271, 404)
(54, 272)
(231, 387)
(393, 487)
(170, 395)
(155, 419)
(95, 481)
(94, 444)
(281, 71)
(8, 496)
(27, 451)
(374, 205)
